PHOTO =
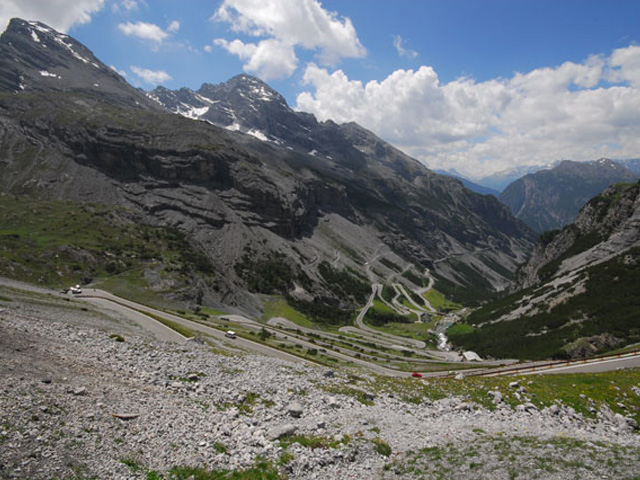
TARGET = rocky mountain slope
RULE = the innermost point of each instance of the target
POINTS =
(579, 290)
(273, 200)
(474, 187)
(377, 175)
(88, 395)
(550, 199)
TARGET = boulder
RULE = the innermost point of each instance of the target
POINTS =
(280, 431)
(295, 409)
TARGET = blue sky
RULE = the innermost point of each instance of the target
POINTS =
(473, 85)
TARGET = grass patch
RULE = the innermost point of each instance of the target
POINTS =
(439, 302)
(278, 307)
(460, 329)
(417, 331)
(579, 391)
(382, 447)
(263, 470)
(314, 441)
(56, 243)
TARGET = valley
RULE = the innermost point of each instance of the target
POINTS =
(258, 294)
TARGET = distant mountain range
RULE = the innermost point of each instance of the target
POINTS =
(550, 199)
(275, 201)
(632, 164)
(474, 187)
(501, 180)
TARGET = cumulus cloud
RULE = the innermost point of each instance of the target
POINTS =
(152, 77)
(625, 65)
(398, 42)
(579, 111)
(284, 25)
(59, 14)
(268, 59)
(144, 30)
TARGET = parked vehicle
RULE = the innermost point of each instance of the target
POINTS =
(230, 334)
(416, 375)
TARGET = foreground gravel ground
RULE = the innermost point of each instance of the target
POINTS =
(78, 403)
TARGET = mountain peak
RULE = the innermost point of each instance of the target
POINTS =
(247, 89)
(36, 58)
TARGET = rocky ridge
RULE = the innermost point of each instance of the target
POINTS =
(79, 399)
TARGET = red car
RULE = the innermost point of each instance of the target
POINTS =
(416, 375)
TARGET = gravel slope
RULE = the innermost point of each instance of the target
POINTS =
(79, 404)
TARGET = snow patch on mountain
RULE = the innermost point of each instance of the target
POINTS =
(71, 50)
(259, 135)
(191, 112)
(59, 38)
(45, 73)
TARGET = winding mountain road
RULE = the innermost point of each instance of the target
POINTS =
(143, 316)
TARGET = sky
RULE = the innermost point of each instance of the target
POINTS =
(472, 86)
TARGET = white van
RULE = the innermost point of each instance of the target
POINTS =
(230, 334)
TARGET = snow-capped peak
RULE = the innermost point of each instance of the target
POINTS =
(60, 38)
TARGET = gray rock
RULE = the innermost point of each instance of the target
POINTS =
(295, 409)
(79, 392)
(554, 409)
(464, 407)
(280, 431)
(333, 402)
(497, 396)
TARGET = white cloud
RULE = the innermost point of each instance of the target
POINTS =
(152, 77)
(285, 25)
(579, 111)
(58, 14)
(129, 5)
(143, 30)
(124, 5)
(173, 27)
(398, 42)
(268, 59)
(625, 65)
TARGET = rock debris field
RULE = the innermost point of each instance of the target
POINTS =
(79, 401)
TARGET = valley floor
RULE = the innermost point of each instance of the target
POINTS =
(77, 403)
